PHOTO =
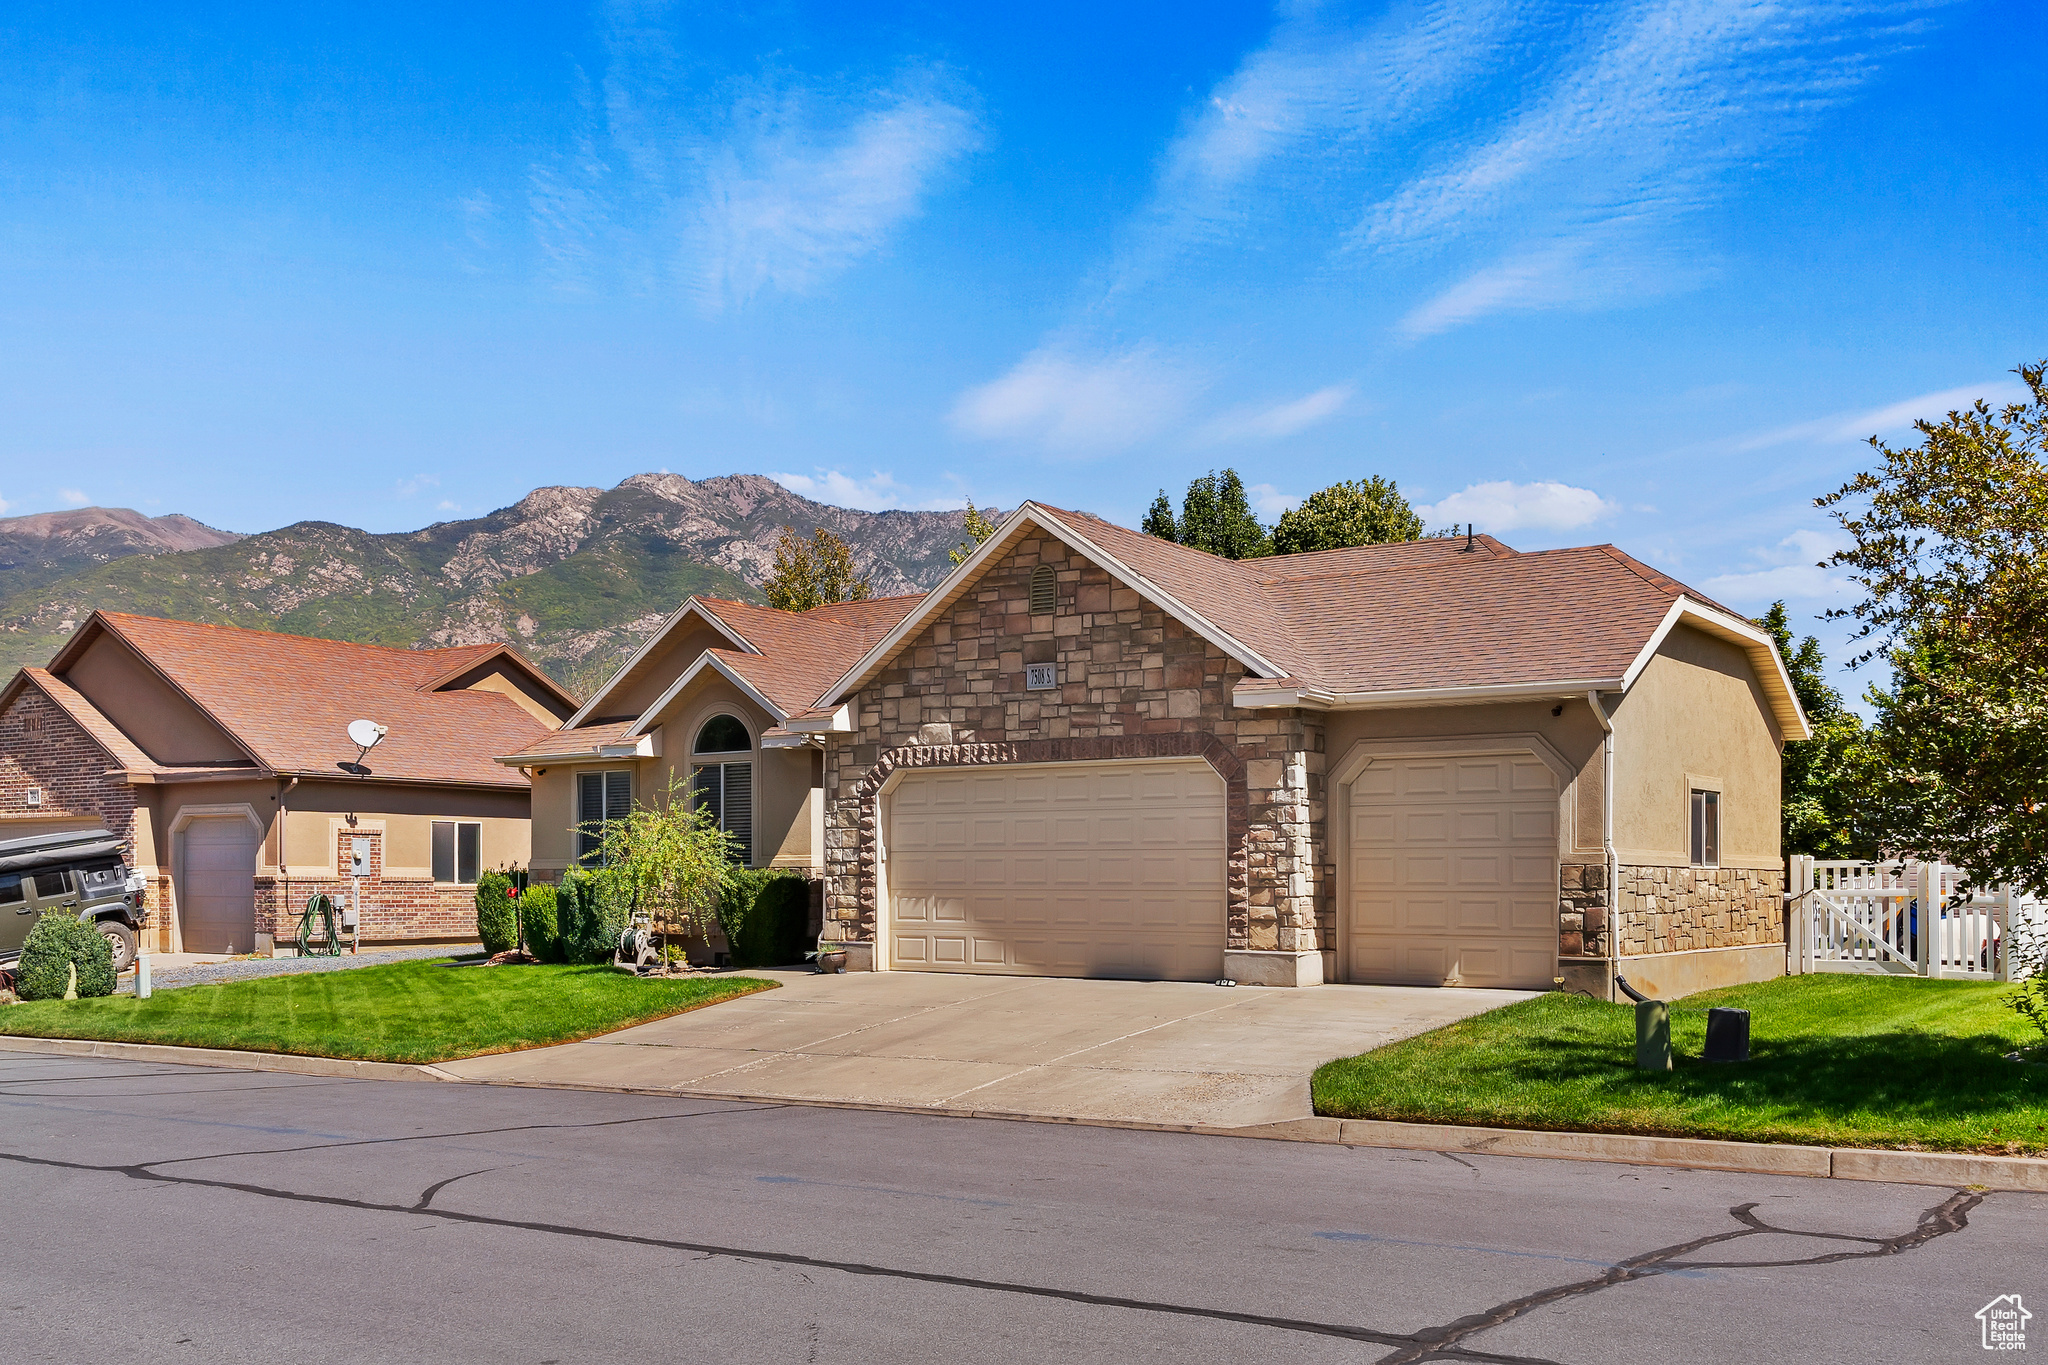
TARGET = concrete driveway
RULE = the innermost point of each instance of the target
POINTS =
(1149, 1051)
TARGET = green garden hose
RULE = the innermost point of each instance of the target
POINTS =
(324, 908)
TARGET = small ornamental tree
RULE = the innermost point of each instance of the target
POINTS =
(814, 572)
(1361, 512)
(978, 527)
(673, 858)
(1951, 554)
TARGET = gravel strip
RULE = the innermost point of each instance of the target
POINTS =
(219, 973)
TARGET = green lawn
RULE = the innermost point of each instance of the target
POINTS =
(406, 1012)
(1855, 1061)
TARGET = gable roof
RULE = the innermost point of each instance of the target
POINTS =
(1412, 623)
(120, 749)
(784, 661)
(287, 699)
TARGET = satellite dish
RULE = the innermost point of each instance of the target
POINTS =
(364, 734)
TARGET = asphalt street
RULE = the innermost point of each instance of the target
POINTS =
(170, 1213)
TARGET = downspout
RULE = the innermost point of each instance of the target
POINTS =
(284, 871)
(1607, 829)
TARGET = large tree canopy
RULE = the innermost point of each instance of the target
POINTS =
(1360, 512)
(1951, 553)
(1214, 516)
(810, 573)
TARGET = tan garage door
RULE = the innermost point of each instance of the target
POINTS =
(1081, 869)
(217, 886)
(1454, 871)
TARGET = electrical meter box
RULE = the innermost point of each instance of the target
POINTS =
(359, 857)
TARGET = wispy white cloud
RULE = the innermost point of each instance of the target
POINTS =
(727, 186)
(74, 497)
(1079, 405)
(418, 483)
(1891, 418)
(1269, 502)
(1792, 570)
(1274, 421)
(1505, 506)
(1651, 115)
(4, 505)
(878, 492)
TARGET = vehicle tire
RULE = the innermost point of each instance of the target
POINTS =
(121, 939)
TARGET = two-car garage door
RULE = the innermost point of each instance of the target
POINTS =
(1077, 869)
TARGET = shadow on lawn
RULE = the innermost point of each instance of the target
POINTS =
(1927, 1077)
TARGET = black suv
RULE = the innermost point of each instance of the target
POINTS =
(79, 872)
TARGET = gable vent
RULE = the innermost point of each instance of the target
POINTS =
(1043, 598)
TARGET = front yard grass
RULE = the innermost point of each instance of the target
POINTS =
(430, 1011)
(1835, 1061)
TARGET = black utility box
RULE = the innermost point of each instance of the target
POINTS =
(1727, 1036)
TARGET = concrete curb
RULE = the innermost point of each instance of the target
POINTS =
(226, 1059)
(1948, 1169)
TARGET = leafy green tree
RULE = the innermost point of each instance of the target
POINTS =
(674, 859)
(1951, 552)
(1159, 521)
(978, 527)
(1215, 516)
(1822, 797)
(812, 573)
(1361, 512)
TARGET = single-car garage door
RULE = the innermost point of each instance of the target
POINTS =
(217, 886)
(1453, 876)
(1076, 869)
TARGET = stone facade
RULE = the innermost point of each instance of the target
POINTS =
(1681, 909)
(1133, 682)
(1582, 910)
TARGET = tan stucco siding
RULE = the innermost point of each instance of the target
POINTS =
(1696, 715)
(148, 710)
(318, 817)
(1574, 734)
(644, 683)
(507, 680)
(783, 817)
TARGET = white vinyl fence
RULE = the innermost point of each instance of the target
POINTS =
(1875, 917)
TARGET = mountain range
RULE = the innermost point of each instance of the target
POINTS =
(575, 577)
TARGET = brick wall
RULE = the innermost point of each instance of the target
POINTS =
(396, 911)
(1133, 683)
(42, 747)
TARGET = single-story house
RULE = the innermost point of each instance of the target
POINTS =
(1091, 752)
(703, 703)
(222, 757)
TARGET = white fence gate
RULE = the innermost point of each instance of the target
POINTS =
(1876, 917)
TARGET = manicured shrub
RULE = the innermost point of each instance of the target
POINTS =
(765, 913)
(496, 923)
(54, 944)
(536, 906)
(592, 910)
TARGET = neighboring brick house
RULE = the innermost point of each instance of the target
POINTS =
(219, 755)
(1092, 752)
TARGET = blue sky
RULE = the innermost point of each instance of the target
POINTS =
(1642, 272)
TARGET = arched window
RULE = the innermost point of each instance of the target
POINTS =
(1043, 592)
(724, 735)
(726, 789)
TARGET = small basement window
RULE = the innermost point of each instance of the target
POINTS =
(456, 846)
(1044, 591)
(1706, 828)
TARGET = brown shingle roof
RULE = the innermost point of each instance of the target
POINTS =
(288, 699)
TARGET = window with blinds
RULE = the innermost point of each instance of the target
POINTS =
(600, 797)
(726, 790)
(1706, 829)
(457, 844)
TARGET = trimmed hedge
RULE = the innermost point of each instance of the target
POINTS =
(496, 922)
(536, 905)
(56, 941)
(766, 914)
(591, 911)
